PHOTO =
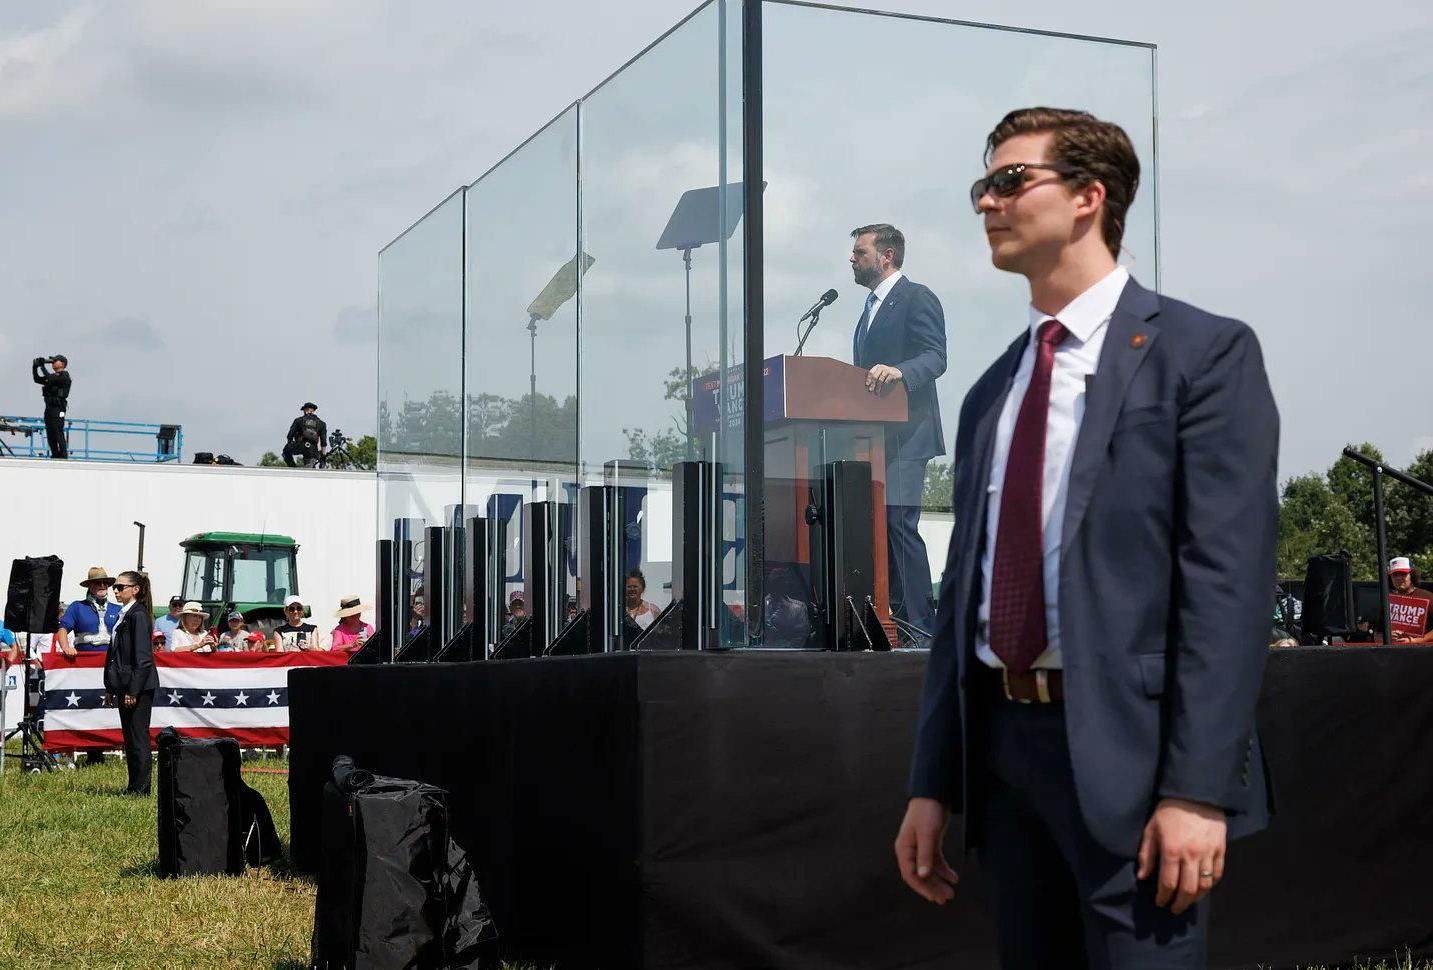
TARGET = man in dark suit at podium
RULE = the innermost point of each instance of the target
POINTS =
(1104, 615)
(901, 337)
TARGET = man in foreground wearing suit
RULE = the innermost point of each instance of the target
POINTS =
(1089, 699)
(901, 337)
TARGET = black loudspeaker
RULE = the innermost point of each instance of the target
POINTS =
(33, 603)
(1328, 598)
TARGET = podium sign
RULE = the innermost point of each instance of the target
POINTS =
(1408, 614)
(798, 389)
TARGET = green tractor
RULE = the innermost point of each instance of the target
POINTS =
(241, 570)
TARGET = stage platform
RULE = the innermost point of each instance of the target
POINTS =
(738, 809)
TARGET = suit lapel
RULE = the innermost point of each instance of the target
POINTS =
(1120, 357)
(982, 445)
(862, 342)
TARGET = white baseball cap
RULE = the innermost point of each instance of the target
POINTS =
(1400, 564)
(291, 599)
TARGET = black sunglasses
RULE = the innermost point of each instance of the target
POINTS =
(124, 586)
(1006, 182)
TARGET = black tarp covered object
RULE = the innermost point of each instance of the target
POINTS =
(394, 889)
(210, 822)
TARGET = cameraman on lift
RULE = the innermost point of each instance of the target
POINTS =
(55, 387)
(308, 436)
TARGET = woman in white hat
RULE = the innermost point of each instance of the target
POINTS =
(190, 636)
(351, 631)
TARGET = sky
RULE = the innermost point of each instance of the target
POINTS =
(193, 194)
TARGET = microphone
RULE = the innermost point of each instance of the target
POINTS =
(827, 298)
(814, 315)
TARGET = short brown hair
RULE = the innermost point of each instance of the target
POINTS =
(1095, 151)
(887, 237)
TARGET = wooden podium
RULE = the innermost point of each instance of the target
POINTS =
(817, 410)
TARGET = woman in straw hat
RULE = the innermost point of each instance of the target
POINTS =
(351, 631)
(191, 636)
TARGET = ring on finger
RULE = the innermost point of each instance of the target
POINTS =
(1206, 874)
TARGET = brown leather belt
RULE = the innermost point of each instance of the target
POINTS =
(1031, 687)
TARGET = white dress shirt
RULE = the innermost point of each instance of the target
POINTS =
(1087, 319)
(882, 290)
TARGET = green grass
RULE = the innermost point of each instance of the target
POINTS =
(78, 886)
(77, 873)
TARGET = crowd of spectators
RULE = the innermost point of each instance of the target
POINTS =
(87, 623)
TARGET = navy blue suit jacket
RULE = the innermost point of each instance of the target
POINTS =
(909, 333)
(1167, 558)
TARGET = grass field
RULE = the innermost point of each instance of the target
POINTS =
(78, 870)
(77, 874)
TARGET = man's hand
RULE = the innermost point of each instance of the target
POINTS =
(67, 650)
(880, 376)
(918, 850)
(1189, 839)
(130, 700)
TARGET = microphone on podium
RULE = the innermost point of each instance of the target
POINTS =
(827, 298)
(814, 315)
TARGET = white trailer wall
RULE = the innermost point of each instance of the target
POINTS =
(84, 512)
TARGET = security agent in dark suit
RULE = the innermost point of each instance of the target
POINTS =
(901, 337)
(130, 676)
(55, 389)
(1103, 619)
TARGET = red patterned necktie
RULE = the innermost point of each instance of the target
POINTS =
(1017, 585)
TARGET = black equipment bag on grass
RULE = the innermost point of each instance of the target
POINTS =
(394, 889)
(210, 822)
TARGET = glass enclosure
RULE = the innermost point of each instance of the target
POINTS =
(420, 378)
(580, 313)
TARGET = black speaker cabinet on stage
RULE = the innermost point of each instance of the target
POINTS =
(33, 602)
(1328, 598)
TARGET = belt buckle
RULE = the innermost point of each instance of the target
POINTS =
(1005, 683)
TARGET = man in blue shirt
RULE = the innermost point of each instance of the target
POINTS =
(89, 621)
(168, 624)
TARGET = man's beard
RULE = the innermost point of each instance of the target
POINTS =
(865, 277)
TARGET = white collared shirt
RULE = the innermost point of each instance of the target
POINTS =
(1087, 319)
(882, 290)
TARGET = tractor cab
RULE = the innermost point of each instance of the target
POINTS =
(248, 572)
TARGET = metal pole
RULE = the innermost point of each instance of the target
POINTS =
(532, 386)
(687, 374)
(140, 567)
(754, 452)
(1382, 552)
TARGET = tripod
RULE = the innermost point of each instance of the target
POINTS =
(33, 756)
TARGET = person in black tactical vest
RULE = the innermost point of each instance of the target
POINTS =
(55, 388)
(308, 436)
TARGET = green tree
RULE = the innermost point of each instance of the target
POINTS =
(360, 455)
(939, 486)
(271, 460)
(1335, 511)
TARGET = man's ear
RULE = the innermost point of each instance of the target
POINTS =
(1090, 198)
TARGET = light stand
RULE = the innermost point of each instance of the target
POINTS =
(532, 383)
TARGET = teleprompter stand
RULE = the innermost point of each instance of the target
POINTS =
(699, 220)
(690, 621)
(843, 559)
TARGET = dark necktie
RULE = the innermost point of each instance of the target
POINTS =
(1017, 588)
(865, 324)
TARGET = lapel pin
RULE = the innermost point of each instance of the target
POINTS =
(1137, 341)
